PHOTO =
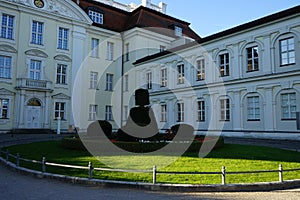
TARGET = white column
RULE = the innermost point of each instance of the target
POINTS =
(236, 115)
(269, 113)
(266, 64)
(22, 108)
(47, 111)
(78, 55)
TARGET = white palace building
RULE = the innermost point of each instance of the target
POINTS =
(81, 61)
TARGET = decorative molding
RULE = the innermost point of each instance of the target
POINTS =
(4, 92)
(7, 48)
(61, 96)
(64, 58)
(36, 52)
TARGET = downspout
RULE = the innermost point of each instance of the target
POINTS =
(122, 78)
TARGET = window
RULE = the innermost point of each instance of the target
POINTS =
(126, 109)
(5, 66)
(149, 80)
(61, 74)
(108, 113)
(92, 112)
(37, 33)
(288, 106)
(35, 69)
(287, 51)
(4, 108)
(164, 77)
(126, 83)
(180, 74)
(95, 47)
(224, 64)
(252, 59)
(96, 17)
(63, 38)
(178, 31)
(7, 26)
(60, 110)
(110, 51)
(200, 69)
(225, 109)
(93, 80)
(109, 82)
(180, 112)
(162, 48)
(200, 110)
(126, 52)
(163, 112)
(253, 108)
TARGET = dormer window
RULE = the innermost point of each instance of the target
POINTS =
(178, 31)
(96, 17)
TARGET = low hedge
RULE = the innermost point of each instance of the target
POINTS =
(139, 147)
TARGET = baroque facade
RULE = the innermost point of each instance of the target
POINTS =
(82, 60)
(245, 79)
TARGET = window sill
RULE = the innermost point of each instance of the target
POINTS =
(249, 71)
(290, 119)
(286, 65)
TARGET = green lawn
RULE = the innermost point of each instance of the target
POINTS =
(234, 157)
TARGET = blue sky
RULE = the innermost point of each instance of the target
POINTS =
(211, 16)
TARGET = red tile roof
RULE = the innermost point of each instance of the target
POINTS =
(119, 20)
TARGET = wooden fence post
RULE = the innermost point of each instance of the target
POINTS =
(154, 174)
(18, 160)
(44, 165)
(280, 173)
(90, 170)
(223, 175)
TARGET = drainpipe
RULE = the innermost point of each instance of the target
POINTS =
(122, 78)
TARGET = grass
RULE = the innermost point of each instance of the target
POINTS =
(234, 157)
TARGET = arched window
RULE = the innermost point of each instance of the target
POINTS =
(34, 102)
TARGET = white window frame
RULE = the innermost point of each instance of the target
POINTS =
(200, 69)
(225, 109)
(224, 67)
(164, 77)
(93, 80)
(7, 29)
(110, 51)
(289, 51)
(60, 76)
(96, 16)
(95, 47)
(252, 55)
(149, 80)
(253, 108)
(178, 31)
(93, 112)
(59, 110)
(288, 106)
(34, 70)
(180, 112)
(126, 112)
(180, 74)
(109, 82)
(108, 113)
(63, 38)
(126, 52)
(163, 112)
(201, 114)
(4, 69)
(37, 34)
(126, 83)
(4, 110)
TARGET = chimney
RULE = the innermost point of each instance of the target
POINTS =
(146, 3)
(163, 7)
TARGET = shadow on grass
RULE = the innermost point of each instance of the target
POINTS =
(234, 151)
